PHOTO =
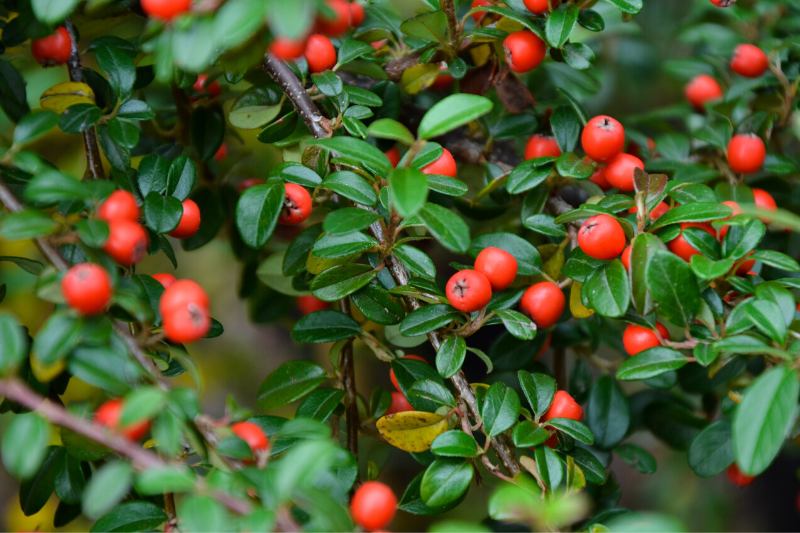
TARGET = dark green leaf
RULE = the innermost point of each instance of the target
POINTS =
(445, 481)
(446, 226)
(25, 444)
(711, 451)
(607, 413)
(257, 212)
(289, 382)
(673, 287)
(450, 356)
(342, 280)
(325, 326)
(426, 319)
(651, 363)
(500, 409)
(408, 190)
(608, 290)
(455, 443)
(130, 517)
(538, 389)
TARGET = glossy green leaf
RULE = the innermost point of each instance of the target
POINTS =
(408, 190)
(445, 481)
(607, 412)
(452, 112)
(257, 212)
(673, 287)
(289, 382)
(608, 290)
(325, 326)
(651, 363)
(24, 444)
(450, 356)
(538, 389)
(500, 409)
(455, 443)
(711, 451)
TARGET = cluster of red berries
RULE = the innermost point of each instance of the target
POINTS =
(471, 290)
(373, 505)
(747, 60)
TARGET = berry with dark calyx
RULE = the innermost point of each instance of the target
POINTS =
(165, 9)
(701, 90)
(357, 13)
(109, 414)
(601, 237)
(184, 311)
(253, 435)
(499, 266)
(468, 290)
(308, 304)
(393, 377)
(287, 49)
(538, 7)
(749, 61)
(119, 205)
(637, 339)
(602, 138)
(544, 302)
(737, 477)
(296, 205)
(399, 404)
(55, 49)
(87, 288)
(524, 51)
(563, 406)
(681, 247)
(127, 241)
(746, 153)
(202, 86)
(190, 220)
(373, 505)
(620, 170)
(339, 20)
(444, 166)
(541, 146)
(319, 53)
(164, 279)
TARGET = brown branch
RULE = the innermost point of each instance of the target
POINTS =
(94, 164)
(348, 373)
(455, 33)
(283, 76)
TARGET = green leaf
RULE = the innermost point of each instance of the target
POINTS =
(130, 517)
(538, 389)
(426, 319)
(740, 240)
(777, 260)
(550, 467)
(693, 212)
(651, 363)
(643, 247)
(57, 337)
(763, 419)
(93, 233)
(446, 226)
(387, 128)
(35, 491)
(79, 117)
(107, 487)
(357, 152)
(34, 125)
(570, 165)
(13, 343)
(426, 394)
(351, 186)
(429, 26)
(450, 356)
(455, 443)
(342, 280)
(526, 434)
(251, 117)
(25, 444)
(711, 451)
(118, 64)
(673, 287)
(608, 413)
(158, 480)
(631, 7)
(578, 55)
(608, 290)
(408, 190)
(289, 382)
(257, 212)
(527, 175)
(348, 219)
(708, 269)
(574, 429)
(415, 260)
(517, 324)
(560, 24)
(445, 481)
(320, 404)
(13, 99)
(376, 304)
(566, 126)
(142, 404)
(637, 457)
(202, 513)
(767, 317)
(325, 326)
(26, 224)
(500, 409)
(295, 173)
(452, 112)
(332, 246)
(162, 213)
(181, 177)
(51, 186)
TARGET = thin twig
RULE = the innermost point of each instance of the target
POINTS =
(280, 73)
(348, 373)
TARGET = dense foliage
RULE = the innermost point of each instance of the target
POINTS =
(437, 187)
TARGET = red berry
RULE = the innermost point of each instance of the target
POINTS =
(164, 279)
(190, 220)
(723, 3)
(108, 415)
(165, 9)
(127, 241)
(637, 339)
(287, 49)
(296, 205)
(373, 505)
(544, 302)
(201, 86)
(620, 170)
(54, 49)
(541, 146)
(749, 60)
(736, 210)
(601, 237)
(539, 6)
(499, 266)
(393, 155)
(399, 404)
(357, 14)
(222, 153)
(478, 15)
(745, 267)
(626, 257)
(602, 138)
(184, 310)
(252, 434)
(308, 304)
(87, 288)
(393, 377)
(444, 166)
(182, 293)
(764, 200)
(737, 477)
(681, 247)
(119, 205)
(564, 406)
(702, 89)
(468, 290)
(340, 21)
(444, 80)
(524, 51)
(746, 153)
(599, 178)
(320, 53)
(656, 212)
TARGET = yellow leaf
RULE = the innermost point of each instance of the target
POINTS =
(63, 95)
(481, 54)
(45, 373)
(315, 264)
(411, 431)
(419, 77)
(576, 307)
(553, 265)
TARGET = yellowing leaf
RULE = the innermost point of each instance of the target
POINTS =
(553, 261)
(419, 77)
(576, 307)
(481, 54)
(45, 373)
(411, 431)
(63, 95)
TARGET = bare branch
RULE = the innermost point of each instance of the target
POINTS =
(280, 73)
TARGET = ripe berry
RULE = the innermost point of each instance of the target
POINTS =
(357, 14)
(745, 267)
(320, 53)
(703, 88)
(222, 153)
(54, 49)
(746, 153)
(287, 49)
(296, 205)
(184, 311)
(737, 477)
(656, 212)
(399, 404)
(620, 170)
(499, 266)
(478, 15)
(108, 415)
(599, 178)
(202, 86)
(87, 288)
(444, 80)
(601, 237)
(252, 434)
(164, 279)
(468, 290)
(524, 51)
(626, 257)
(723, 3)
(119, 205)
(393, 155)
(373, 505)
(165, 9)
(539, 6)
(444, 166)
(764, 200)
(637, 339)
(127, 241)
(182, 293)
(190, 220)
(681, 247)
(308, 304)
(749, 60)
(541, 146)
(602, 138)
(393, 377)
(544, 302)
(340, 21)
(564, 406)
(736, 210)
